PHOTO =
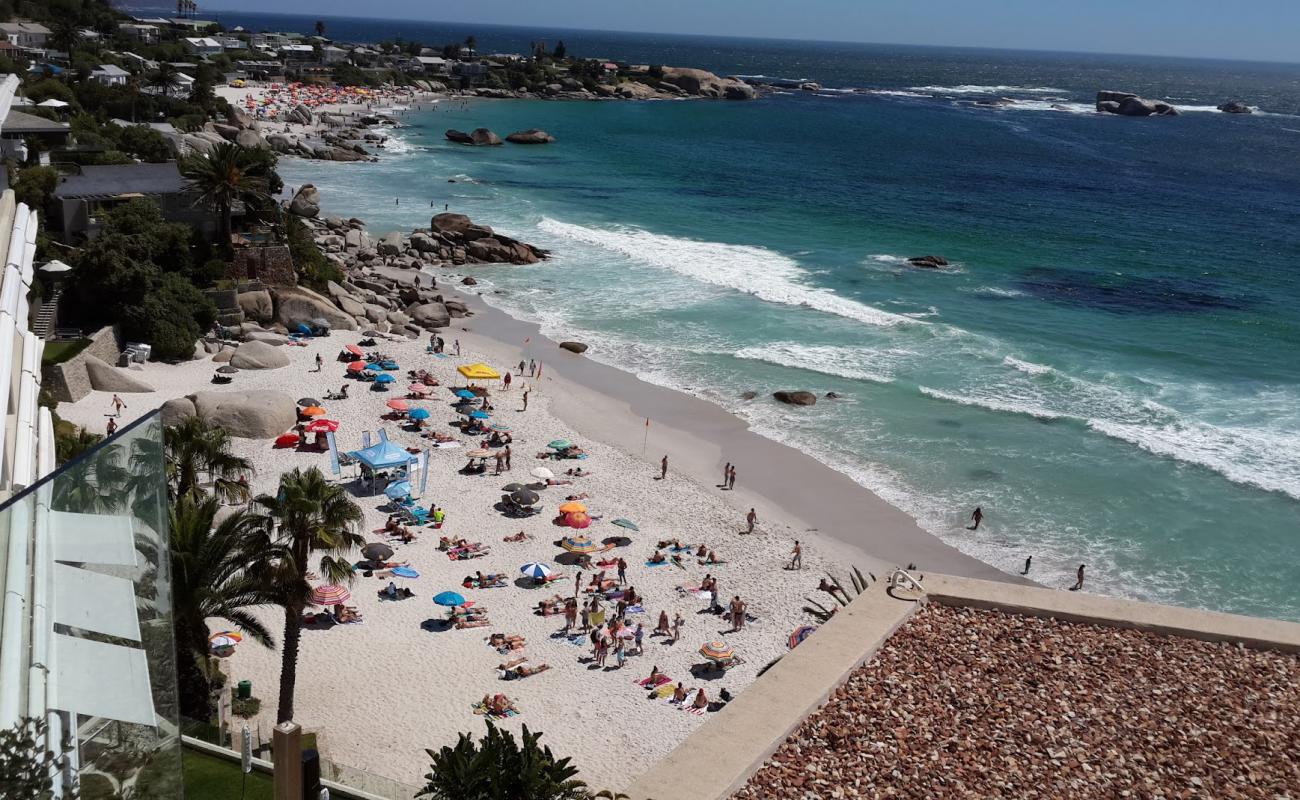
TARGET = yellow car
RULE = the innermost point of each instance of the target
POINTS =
(238, 83)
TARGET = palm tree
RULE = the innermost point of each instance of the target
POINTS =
(219, 569)
(311, 516)
(68, 444)
(195, 449)
(320, 27)
(227, 174)
(163, 76)
(472, 43)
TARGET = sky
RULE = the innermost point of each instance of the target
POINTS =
(1256, 30)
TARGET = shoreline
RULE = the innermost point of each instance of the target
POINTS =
(699, 436)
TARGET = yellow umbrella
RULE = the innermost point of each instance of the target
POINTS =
(579, 544)
(568, 508)
(478, 372)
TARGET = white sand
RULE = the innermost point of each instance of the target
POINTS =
(381, 691)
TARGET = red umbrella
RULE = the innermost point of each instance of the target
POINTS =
(577, 519)
(398, 404)
(354, 350)
(322, 426)
(357, 366)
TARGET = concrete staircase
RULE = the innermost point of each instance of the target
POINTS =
(43, 325)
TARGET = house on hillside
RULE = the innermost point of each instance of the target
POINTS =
(82, 198)
(427, 65)
(148, 34)
(202, 45)
(19, 129)
(110, 75)
(329, 54)
(23, 33)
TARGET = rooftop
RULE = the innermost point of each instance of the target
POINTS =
(19, 124)
(111, 70)
(982, 703)
(117, 180)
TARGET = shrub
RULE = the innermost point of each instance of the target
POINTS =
(313, 268)
(35, 185)
(499, 766)
(245, 707)
(170, 317)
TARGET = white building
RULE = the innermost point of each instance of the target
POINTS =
(429, 65)
(26, 34)
(110, 75)
(140, 32)
(203, 45)
(329, 54)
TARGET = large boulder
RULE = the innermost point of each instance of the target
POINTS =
(459, 137)
(530, 136)
(574, 347)
(248, 415)
(928, 262)
(429, 315)
(301, 114)
(795, 398)
(391, 244)
(250, 139)
(703, 83)
(259, 355)
(1235, 107)
(266, 337)
(1128, 104)
(256, 305)
(738, 90)
(105, 377)
(479, 136)
(450, 223)
(306, 202)
(237, 118)
(295, 305)
(176, 411)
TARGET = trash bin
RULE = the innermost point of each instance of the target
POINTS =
(244, 690)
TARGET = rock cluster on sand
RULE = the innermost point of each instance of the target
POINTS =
(1130, 105)
(306, 202)
(105, 377)
(256, 354)
(574, 347)
(248, 415)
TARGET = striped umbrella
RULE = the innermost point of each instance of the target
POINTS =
(579, 544)
(800, 633)
(418, 388)
(330, 595)
(577, 519)
(322, 426)
(717, 651)
(536, 570)
(232, 637)
(571, 507)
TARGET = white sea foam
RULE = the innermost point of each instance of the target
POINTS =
(975, 89)
(894, 93)
(757, 271)
(993, 403)
(845, 362)
(1027, 367)
(995, 291)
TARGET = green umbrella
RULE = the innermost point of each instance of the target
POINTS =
(560, 444)
(626, 523)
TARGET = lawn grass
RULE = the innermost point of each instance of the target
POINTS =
(211, 778)
(58, 352)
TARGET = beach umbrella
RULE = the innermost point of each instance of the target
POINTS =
(449, 599)
(398, 404)
(384, 379)
(479, 453)
(542, 472)
(625, 523)
(718, 651)
(560, 444)
(354, 350)
(230, 638)
(405, 572)
(478, 372)
(418, 388)
(227, 370)
(322, 426)
(578, 519)
(800, 633)
(479, 415)
(465, 394)
(308, 401)
(419, 413)
(55, 267)
(357, 366)
(524, 497)
(330, 595)
(572, 506)
(500, 427)
(313, 411)
(579, 544)
(513, 487)
(377, 551)
(536, 571)
(398, 489)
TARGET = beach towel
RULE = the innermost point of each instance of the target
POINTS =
(664, 691)
(659, 681)
(681, 549)
(636, 609)
(660, 564)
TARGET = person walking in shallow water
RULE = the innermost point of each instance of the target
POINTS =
(731, 479)
(977, 516)
(726, 473)
(1028, 560)
(1079, 583)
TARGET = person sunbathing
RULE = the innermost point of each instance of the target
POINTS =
(391, 525)
(701, 701)
(577, 472)
(657, 558)
(524, 671)
(700, 553)
(346, 614)
(471, 623)
(673, 543)
(499, 704)
(558, 481)
(663, 626)
(518, 537)
(513, 663)
(405, 534)
(677, 559)
(513, 641)
(579, 496)
(679, 693)
(712, 558)
(653, 680)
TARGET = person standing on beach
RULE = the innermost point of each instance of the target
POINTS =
(570, 614)
(731, 479)
(456, 344)
(663, 467)
(622, 571)
(521, 368)
(1029, 560)
(577, 584)
(320, 363)
(639, 636)
(977, 516)
(1079, 583)
(118, 405)
(532, 368)
(751, 519)
(111, 428)
(506, 453)
(796, 556)
(726, 473)
(677, 627)
(501, 460)
(505, 381)
(526, 391)
(737, 613)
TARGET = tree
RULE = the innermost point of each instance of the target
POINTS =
(219, 569)
(163, 76)
(320, 27)
(500, 767)
(195, 449)
(35, 186)
(311, 517)
(227, 174)
(71, 441)
(471, 42)
(26, 768)
(560, 50)
(171, 317)
(64, 34)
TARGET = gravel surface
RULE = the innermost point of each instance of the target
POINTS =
(971, 703)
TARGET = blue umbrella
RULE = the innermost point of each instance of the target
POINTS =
(465, 394)
(449, 599)
(536, 571)
(418, 413)
(405, 572)
(398, 489)
(479, 415)
(303, 329)
(384, 378)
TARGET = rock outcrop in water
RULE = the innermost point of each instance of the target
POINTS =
(1127, 104)
(795, 398)
(479, 136)
(928, 262)
(1235, 107)
(530, 136)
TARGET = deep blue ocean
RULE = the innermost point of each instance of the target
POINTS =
(1112, 370)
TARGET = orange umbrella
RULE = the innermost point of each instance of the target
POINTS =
(577, 519)
(572, 507)
(398, 404)
(354, 350)
(313, 411)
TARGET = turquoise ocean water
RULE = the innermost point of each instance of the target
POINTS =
(1112, 371)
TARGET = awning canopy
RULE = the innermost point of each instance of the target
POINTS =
(383, 456)
(478, 372)
(117, 688)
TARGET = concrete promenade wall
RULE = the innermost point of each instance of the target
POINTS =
(716, 760)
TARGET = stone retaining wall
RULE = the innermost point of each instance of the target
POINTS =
(68, 382)
(271, 265)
